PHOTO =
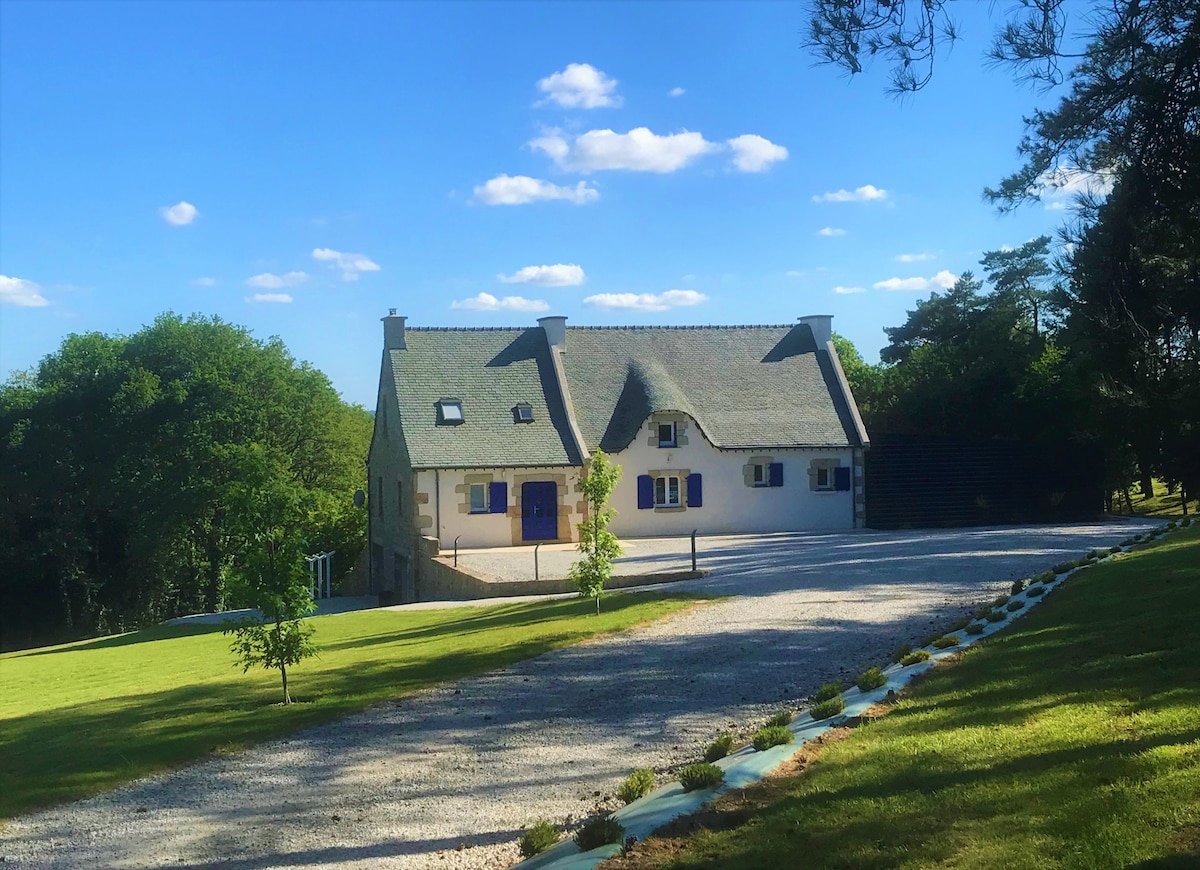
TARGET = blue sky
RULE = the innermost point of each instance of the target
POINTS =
(299, 168)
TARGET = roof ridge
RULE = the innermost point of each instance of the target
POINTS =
(603, 326)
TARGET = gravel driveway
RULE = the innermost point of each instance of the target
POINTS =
(446, 778)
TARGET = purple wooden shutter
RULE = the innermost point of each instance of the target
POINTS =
(695, 491)
(498, 497)
(841, 479)
(776, 474)
(645, 492)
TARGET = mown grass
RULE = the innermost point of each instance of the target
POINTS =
(1161, 503)
(1071, 740)
(85, 717)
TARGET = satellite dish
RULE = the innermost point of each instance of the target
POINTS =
(360, 498)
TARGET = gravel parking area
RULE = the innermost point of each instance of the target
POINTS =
(447, 778)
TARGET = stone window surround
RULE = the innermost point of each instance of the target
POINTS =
(682, 424)
(464, 491)
(748, 471)
(682, 474)
(826, 463)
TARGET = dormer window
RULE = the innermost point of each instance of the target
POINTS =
(523, 413)
(450, 412)
(666, 435)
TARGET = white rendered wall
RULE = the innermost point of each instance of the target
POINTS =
(729, 505)
(444, 498)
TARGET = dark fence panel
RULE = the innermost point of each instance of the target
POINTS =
(920, 482)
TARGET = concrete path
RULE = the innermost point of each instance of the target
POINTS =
(447, 778)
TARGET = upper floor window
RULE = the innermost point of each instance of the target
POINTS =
(667, 435)
(450, 412)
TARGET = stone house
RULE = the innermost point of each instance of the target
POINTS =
(481, 435)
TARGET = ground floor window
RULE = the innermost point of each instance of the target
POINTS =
(479, 498)
(824, 479)
(666, 492)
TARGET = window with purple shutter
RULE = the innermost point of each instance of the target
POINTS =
(776, 474)
(645, 492)
(695, 491)
(498, 497)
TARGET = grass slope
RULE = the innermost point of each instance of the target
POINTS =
(1072, 740)
(85, 717)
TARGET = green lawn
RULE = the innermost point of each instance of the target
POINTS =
(1161, 503)
(85, 717)
(1071, 740)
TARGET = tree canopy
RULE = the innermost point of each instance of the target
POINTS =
(124, 462)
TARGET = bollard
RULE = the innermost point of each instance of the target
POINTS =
(693, 551)
(456, 537)
(536, 573)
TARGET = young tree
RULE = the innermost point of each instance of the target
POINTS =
(271, 575)
(598, 545)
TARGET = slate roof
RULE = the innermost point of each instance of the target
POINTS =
(745, 386)
(489, 371)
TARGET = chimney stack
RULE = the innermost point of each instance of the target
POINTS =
(393, 331)
(556, 331)
(821, 326)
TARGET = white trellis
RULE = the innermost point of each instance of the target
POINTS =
(321, 568)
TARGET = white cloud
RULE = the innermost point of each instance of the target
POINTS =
(488, 302)
(18, 291)
(350, 264)
(1058, 188)
(579, 86)
(205, 282)
(269, 297)
(639, 150)
(520, 189)
(913, 258)
(943, 280)
(676, 92)
(866, 193)
(646, 301)
(844, 290)
(267, 281)
(558, 275)
(753, 153)
(179, 215)
(831, 231)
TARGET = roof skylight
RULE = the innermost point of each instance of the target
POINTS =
(450, 412)
(523, 413)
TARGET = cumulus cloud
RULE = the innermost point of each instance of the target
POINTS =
(488, 302)
(269, 297)
(753, 153)
(558, 275)
(204, 282)
(18, 291)
(179, 215)
(943, 280)
(579, 86)
(845, 290)
(913, 258)
(639, 150)
(831, 231)
(350, 264)
(267, 281)
(676, 92)
(1059, 188)
(520, 189)
(646, 301)
(866, 193)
